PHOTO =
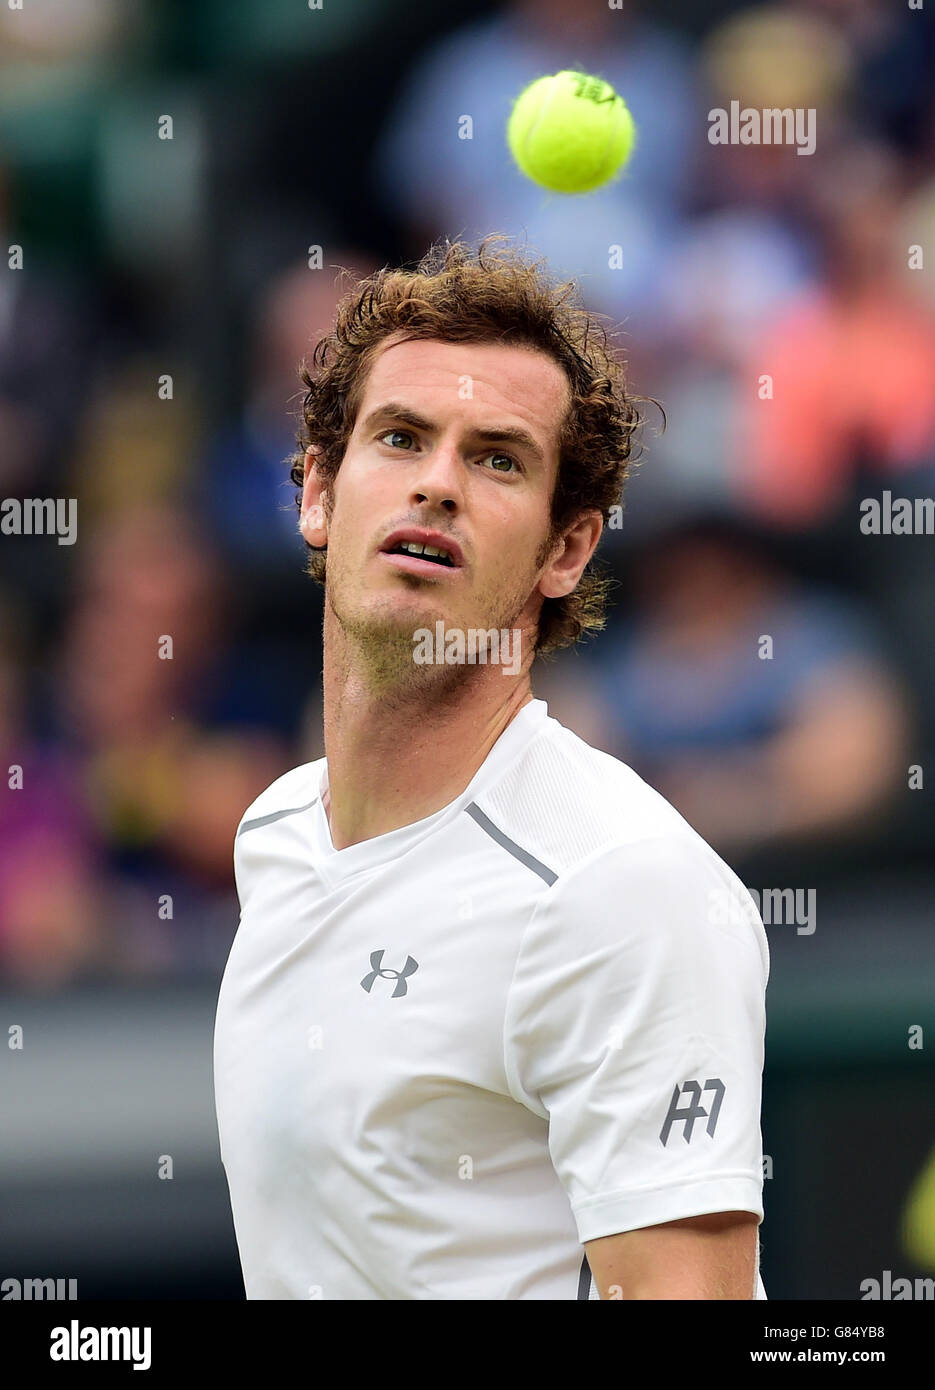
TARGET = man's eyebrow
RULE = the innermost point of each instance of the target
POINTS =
(504, 434)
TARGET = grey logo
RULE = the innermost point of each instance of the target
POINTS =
(400, 976)
(694, 1110)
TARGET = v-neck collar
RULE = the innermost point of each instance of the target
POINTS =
(337, 864)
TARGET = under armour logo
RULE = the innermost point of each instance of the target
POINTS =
(694, 1110)
(400, 976)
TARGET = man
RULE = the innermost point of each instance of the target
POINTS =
(491, 999)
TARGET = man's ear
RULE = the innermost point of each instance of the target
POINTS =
(312, 520)
(570, 556)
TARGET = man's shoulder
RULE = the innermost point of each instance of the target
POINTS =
(622, 859)
(564, 801)
(294, 790)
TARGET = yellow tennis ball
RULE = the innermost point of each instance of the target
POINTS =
(570, 132)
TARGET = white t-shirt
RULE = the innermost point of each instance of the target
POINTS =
(447, 1056)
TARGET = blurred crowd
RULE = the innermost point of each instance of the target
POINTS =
(768, 666)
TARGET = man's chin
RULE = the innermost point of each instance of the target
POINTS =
(395, 619)
(401, 616)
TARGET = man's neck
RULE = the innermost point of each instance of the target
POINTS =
(399, 752)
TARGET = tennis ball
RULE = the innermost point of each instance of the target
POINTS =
(570, 132)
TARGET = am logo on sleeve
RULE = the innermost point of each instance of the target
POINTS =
(694, 1110)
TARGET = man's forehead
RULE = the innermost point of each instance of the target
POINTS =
(522, 379)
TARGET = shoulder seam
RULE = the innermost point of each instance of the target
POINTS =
(273, 816)
(511, 847)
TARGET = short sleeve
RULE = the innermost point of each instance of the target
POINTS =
(635, 1024)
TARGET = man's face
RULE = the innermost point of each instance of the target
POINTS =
(431, 461)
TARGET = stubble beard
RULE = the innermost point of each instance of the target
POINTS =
(385, 641)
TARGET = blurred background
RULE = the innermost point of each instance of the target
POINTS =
(150, 333)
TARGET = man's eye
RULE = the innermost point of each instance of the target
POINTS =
(386, 433)
(502, 458)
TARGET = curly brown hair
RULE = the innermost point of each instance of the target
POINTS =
(489, 294)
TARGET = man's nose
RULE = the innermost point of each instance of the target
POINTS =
(439, 479)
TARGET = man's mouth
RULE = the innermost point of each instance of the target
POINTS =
(433, 553)
(423, 549)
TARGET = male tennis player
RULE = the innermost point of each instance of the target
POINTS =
(491, 999)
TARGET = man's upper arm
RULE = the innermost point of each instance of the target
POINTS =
(636, 1025)
(700, 1257)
